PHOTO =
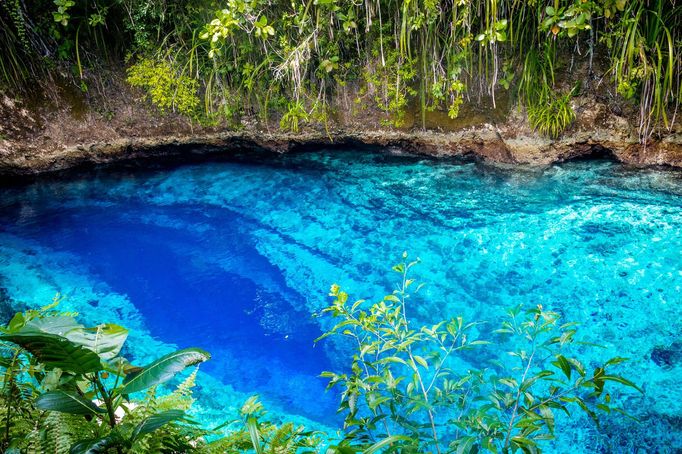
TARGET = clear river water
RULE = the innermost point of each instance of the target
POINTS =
(235, 255)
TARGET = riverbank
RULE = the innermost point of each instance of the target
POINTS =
(71, 131)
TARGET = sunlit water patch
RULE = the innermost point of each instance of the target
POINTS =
(234, 256)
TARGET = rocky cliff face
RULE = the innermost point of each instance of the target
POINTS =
(71, 131)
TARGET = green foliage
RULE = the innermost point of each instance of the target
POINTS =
(645, 51)
(53, 364)
(549, 112)
(407, 380)
(552, 114)
(255, 56)
(293, 117)
(167, 89)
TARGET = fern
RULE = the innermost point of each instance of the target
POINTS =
(56, 439)
(281, 441)
(181, 398)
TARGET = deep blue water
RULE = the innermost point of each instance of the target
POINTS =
(234, 256)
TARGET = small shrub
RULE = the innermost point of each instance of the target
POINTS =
(406, 380)
(552, 115)
(293, 117)
(167, 89)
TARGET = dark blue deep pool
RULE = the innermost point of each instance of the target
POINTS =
(235, 256)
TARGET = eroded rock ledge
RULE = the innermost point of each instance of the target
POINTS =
(486, 142)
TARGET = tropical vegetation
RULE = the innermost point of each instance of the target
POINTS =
(298, 61)
(407, 387)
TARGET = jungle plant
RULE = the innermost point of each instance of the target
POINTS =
(646, 58)
(411, 381)
(66, 388)
(551, 115)
(166, 88)
(422, 53)
(254, 432)
(293, 117)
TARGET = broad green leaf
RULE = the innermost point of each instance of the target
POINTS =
(56, 351)
(67, 402)
(154, 422)
(163, 369)
(93, 446)
(16, 323)
(60, 325)
(465, 444)
(106, 340)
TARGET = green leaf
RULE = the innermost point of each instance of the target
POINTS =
(548, 416)
(577, 365)
(16, 323)
(60, 325)
(93, 446)
(155, 422)
(622, 381)
(530, 381)
(340, 450)
(106, 340)
(252, 425)
(508, 382)
(465, 444)
(422, 362)
(563, 364)
(379, 446)
(400, 268)
(393, 359)
(523, 441)
(66, 402)
(616, 360)
(163, 369)
(55, 351)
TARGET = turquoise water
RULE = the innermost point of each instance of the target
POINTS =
(233, 256)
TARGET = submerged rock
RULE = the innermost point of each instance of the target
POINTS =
(669, 356)
(8, 307)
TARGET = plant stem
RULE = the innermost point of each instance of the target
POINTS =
(518, 398)
(415, 367)
(107, 400)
